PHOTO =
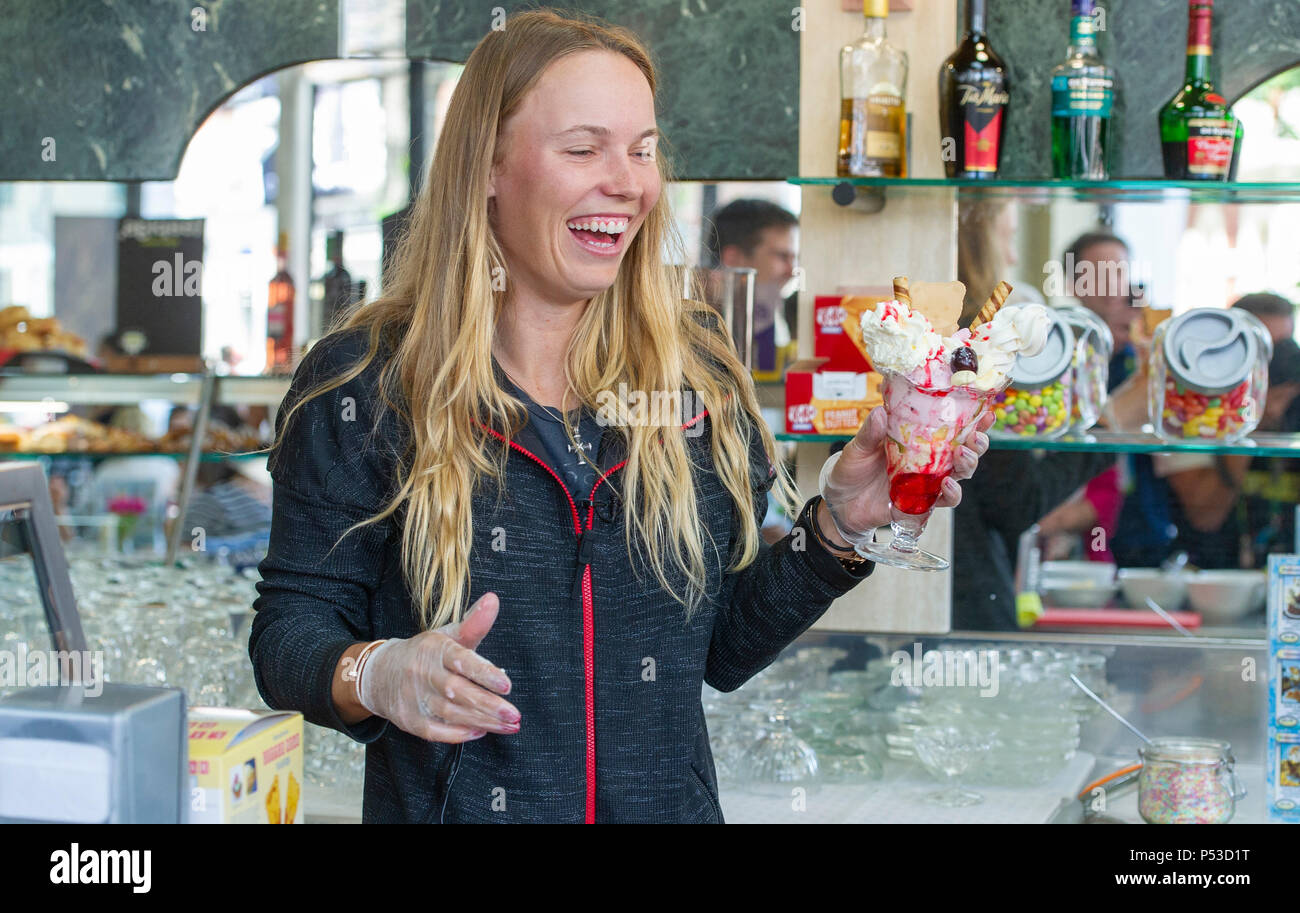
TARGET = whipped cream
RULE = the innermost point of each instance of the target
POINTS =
(1014, 330)
(899, 339)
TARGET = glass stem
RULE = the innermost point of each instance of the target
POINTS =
(907, 528)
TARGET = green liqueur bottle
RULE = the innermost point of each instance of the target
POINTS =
(1198, 132)
(1083, 97)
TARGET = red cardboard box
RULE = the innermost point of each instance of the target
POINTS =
(818, 401)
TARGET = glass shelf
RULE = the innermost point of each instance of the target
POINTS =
(1117, 191)
(1261, 444)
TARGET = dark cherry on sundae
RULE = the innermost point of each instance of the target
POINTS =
(964, 359)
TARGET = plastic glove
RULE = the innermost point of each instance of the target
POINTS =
(854, 483)
(436, 687)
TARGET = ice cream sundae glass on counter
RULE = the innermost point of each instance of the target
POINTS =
(937, 381)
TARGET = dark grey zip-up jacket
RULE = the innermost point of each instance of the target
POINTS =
(605, 670)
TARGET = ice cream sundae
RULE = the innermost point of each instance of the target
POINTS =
(937, 382)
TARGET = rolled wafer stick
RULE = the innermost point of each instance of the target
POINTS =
(901, 291)
(993, 305)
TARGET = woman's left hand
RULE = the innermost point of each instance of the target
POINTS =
(858, 485)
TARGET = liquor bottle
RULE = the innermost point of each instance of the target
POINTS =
(279, 311)
(338, 288)
(1198, 132)
(1083, 97)
(974, 90)
(873, 86)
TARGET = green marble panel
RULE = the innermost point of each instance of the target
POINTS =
(1145, 41)
(729, 73)
(120, 86)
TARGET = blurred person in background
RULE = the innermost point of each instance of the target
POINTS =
(764, 237)
(231, 501)
(1012, 489)
(987, 254)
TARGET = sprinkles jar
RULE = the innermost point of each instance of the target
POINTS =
(1209, 375)
(1188, 781)
(1040, 399)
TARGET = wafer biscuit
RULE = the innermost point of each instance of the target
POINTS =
(993, 305)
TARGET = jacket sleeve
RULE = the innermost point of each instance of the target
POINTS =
(318, 584)
(769, 603)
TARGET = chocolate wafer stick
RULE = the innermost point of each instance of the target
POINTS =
(993, 305)
(901, 291)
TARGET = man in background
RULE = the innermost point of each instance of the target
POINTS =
(764, 237)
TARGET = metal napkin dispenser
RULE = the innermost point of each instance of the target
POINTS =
(116, 758)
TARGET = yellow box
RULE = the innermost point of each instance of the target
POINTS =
(245, 766)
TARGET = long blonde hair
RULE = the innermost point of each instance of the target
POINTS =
(438, 315)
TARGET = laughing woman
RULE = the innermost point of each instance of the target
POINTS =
(510, 599)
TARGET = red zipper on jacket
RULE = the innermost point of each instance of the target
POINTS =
(588, 607)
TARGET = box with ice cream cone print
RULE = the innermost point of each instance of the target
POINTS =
(245, 766)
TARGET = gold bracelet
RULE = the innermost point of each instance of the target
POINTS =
(848, 557)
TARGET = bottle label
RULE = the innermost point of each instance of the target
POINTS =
(884, 117)
(1209, 145)
(982, 105)
(1082, 96)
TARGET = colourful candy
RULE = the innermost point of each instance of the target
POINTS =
(1190, 414)
(1170, 793)
(1031, 412)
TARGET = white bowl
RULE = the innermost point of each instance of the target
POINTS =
(1167, 588)
(1068, 573)
(1226, 596)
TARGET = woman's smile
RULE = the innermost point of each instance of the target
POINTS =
(601, 234)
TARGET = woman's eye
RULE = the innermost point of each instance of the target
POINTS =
(646, 155)
(582, 152)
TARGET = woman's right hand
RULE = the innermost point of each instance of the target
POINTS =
(436, 687)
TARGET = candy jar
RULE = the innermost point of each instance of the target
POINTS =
(1209, 375)
(1040, 398)
(1091, 365)
(1188, 781)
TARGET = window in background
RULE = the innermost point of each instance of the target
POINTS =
(28, 211)
(227, 178)
(359, 161)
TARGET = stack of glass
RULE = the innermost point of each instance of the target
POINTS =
(1031, 719)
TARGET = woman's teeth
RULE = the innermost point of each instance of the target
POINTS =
(608, 226)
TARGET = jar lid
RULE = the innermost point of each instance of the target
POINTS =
(1049, 364)
(1211, 350)
(1187, 750)
(1086, 322)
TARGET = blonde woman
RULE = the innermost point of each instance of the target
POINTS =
(482, 566)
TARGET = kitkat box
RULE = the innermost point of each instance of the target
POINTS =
(832, 392)
(245, 766)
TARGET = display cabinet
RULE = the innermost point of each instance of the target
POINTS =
(46, 427)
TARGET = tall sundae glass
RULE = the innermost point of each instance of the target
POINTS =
(935, 391)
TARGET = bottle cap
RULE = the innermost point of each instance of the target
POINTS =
(1049, 364)
(1210, 350)
(875, 9)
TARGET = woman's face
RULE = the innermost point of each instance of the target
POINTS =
(577, 177)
